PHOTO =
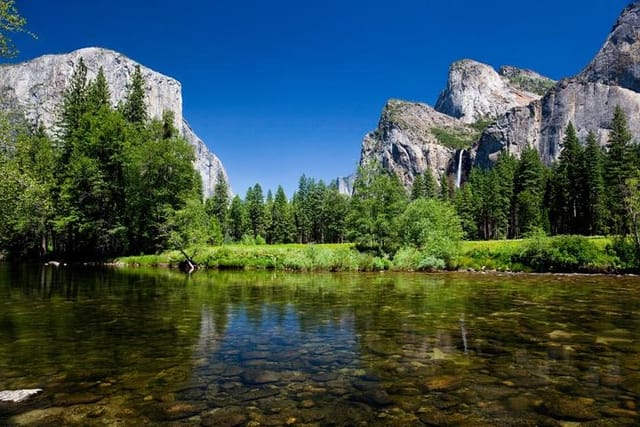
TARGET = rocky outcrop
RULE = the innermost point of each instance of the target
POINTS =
(37, 86)
(345, 184)
(475, 91)
(542, 124)
(413, 137)
(587, 100)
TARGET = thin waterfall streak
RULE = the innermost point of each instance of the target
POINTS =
(459, 171)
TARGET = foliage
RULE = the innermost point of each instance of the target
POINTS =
(10, 22)
(432, 227)
(377, 202)
(455, 139)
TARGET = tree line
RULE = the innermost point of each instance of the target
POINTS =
(111, 181)
(587, 191)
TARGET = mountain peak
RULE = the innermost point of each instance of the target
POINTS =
(617, 61)
(476, 91)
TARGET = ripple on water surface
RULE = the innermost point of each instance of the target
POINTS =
(140, 347)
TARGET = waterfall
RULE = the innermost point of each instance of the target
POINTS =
(459, 171)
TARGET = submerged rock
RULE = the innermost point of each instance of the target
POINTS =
(17, 396)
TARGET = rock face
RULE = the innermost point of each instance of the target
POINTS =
(587, 100)
(345, 184)
(413, 137)
(475, 91)
(38, 87)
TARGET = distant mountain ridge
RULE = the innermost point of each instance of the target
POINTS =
(510, 109)
(37, 87)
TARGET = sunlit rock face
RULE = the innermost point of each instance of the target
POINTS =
(412, 138)
(476, 91)
(587, 100)
(37, 87)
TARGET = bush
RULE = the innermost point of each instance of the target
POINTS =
(559, 254)
(433, 227)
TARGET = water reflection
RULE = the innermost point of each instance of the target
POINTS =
(138, 347)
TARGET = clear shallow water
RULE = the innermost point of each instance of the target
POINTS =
(152, 347)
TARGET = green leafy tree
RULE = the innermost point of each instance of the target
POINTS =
(433, 227)
(10, 22)
(424, 186)
(378, 200)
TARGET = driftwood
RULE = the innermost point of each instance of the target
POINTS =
(188, 265)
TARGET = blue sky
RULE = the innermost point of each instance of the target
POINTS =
(280, 88)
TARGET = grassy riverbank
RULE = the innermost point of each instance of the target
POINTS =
(536, 254)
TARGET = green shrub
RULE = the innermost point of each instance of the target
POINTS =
(559, 254)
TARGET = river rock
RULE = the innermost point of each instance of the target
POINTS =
(572, 409)
(180, 410)
(231, 416)
(17, 396)
(258, 377)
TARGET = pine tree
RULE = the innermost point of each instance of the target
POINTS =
(238, 224)
(529, 185)
(134, 107)
(74, 103)
(594, 190)
(281, 220)
(217, 205)
(98, 93)
(430, 186)
(417, 190)
(255, 209)
(567, 208)
(618, 167)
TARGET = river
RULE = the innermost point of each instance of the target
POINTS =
(154, 347)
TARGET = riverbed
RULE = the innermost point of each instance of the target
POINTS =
(154, 347)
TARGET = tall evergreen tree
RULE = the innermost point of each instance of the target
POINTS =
(217, 205)
(567, 210)
(594, 189)
(134, 107)
(335, 208)
(238, 224)
(529, 185)
(282, 228)
(618, 168)
(98, 93)
(74, 103)
(255, 209)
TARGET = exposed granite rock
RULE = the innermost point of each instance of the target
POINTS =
(475, 91)
(38, 85)
(587, 100)
(345, 184)
(413, 137)
(618, 62)
(541, 124)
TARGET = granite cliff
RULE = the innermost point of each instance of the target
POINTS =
(587, 100)
(413, 137)
(476, 91)
(514, 108)
(37, 86)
